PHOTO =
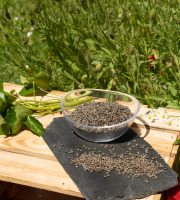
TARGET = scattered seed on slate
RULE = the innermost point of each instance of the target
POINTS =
(134, 165)
(146, 181)
(101, 113)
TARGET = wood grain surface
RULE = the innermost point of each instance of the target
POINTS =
(27, 160)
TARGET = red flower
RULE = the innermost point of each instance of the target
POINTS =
(160, 72)
(174, 193)
(153, 58)
(164, 61)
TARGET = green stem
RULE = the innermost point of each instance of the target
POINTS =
(69, 98)
(74, 103)
(34, 91)
(43, 108)
(50, 93)
(173, 116)
(41, 104)
(45, 112)
(48, 101)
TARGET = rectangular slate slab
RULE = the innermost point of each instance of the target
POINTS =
(67, 146)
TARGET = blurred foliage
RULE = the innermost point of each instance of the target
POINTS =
(129, 46)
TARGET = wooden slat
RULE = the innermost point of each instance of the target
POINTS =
(26, 159)
(161, 141)
(36, 172)
(29, 144)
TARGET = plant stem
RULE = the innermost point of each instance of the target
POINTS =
(50, 93)
(45, 102)
(43, 108)
(173, 116)
(45, 112)
(74, 103)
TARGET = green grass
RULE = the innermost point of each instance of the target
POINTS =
(96, 44)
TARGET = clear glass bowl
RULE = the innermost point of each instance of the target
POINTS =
(75, 98)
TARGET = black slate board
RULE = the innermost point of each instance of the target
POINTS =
(61, 140)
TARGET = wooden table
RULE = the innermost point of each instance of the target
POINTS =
(26, 159)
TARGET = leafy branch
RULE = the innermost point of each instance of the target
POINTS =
(16, 112)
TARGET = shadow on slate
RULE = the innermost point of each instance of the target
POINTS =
(61, 140)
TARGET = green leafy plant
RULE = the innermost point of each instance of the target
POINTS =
(15, 112)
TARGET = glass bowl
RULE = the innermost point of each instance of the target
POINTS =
(76, 98)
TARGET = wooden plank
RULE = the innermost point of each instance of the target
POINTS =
(9, 86)
(157, 196)
(27, 143)
(27, 160)
(161, 141)
(147, 198)
(36, 172)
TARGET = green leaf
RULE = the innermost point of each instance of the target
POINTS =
(12, 91)
(32, 123)
(107, 51)
(110, 84)
(23, 80)
(27, 90)
(3, 107)
(173, 105)
(16, 116)
(90, 42)
(158, 98)
(172, 89)
(1, 86)
(95, 62)
(84, 76)
(42, 81)
(4, 128)
(176, 142)
(9, 98)
(2, 97)
(99, 75)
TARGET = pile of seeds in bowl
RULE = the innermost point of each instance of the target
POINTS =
(101, 113)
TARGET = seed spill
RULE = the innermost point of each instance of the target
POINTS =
(135, 165)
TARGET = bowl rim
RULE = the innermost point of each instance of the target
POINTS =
(102, 127)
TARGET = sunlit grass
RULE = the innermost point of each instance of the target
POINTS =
(129, 46)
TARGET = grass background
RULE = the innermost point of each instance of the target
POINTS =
(132, 47)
